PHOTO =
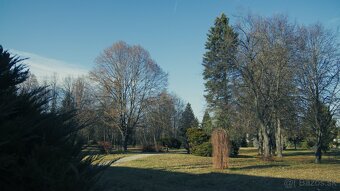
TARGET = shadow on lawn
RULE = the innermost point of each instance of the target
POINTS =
(259, 166)
(124, 178)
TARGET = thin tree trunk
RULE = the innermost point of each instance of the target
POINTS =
(278, 139)
(260, 143)
(125, 142)
(318, 152)
(155, 143)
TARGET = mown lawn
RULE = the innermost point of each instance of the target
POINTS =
(296, 171)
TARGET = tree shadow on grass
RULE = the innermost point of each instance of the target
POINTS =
(244, 156)
(300, 152)
(259, 166)
(124, 178)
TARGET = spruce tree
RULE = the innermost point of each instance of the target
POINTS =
(219, 63)
(188, 120)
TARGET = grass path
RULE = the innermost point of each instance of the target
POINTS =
(131, 158)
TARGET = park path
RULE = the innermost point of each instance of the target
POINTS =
(131, 158)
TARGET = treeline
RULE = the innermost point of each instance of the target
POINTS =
(273, 80)
(123, 101)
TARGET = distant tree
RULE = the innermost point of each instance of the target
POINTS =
(68, 102)
(127, 77)
(207, 124)
(188, 120)
(327, 124)
(30, 84)
(319, 80)
(39, 149)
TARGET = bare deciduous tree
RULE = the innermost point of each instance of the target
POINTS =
(128, 76)
(319, 77)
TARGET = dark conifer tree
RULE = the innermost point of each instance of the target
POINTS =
(188, 120)
(219, 63)
(38, 149)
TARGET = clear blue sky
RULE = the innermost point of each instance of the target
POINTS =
(74, 32)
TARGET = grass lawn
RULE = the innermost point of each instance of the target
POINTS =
(296, 171)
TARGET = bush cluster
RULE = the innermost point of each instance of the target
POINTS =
(199, 142)
(171, 143)
(105, 147)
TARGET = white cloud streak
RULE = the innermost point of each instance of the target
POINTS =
(43, 67)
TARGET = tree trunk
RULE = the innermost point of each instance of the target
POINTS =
(318, 154)
(260, 143)
(155, 143)
(278, 139)
(124, 141)
(266, 143)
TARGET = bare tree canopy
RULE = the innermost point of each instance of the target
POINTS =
(127, 76)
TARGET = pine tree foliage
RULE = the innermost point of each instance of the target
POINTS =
(188, 120)
(207, 125)
(39, 150)
(218, 62)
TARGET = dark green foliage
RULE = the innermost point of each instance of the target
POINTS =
(207, 125)
(219, 75)
(171, 143)
(323, 134)
(218, 62)
(243, 142)
(11, 74)
(234, 150)
(199, 142)
(39, 150)
(204, 149)
(188, 120)
(197, 136)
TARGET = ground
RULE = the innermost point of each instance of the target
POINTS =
(173, 171)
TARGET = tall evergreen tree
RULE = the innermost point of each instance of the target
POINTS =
(218, 62)
(188, 120)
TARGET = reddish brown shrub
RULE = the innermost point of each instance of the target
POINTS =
(105, 147)
(221, 148)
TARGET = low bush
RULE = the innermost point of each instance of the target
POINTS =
(105, 147)
(148, 148)
(204, 149)
(197, 136)
(308, 144)
(234, 150)
(171, 143)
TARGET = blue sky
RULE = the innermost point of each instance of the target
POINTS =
(67, 35)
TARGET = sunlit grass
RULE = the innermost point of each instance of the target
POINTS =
(295, 164)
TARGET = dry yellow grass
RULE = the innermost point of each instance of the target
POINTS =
(295, 165)
(175, 171)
